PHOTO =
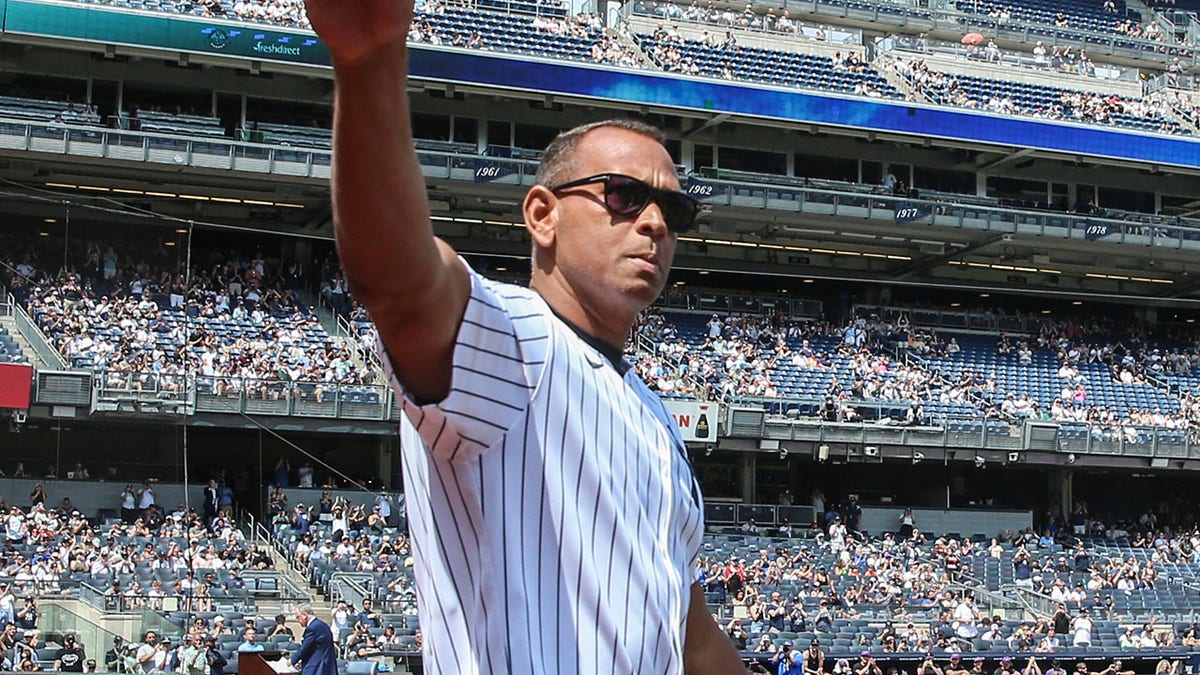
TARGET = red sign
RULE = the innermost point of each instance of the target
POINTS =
(16, 382)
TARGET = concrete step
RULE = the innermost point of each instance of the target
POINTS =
(10, 323)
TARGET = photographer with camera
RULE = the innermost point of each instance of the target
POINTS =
(788, 661)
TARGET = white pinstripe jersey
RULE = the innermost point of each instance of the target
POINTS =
(554, 517)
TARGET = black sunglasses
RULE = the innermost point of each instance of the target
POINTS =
(627, 196)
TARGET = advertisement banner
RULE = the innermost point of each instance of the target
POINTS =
(697, 421)
(907, 213)
(16, 383)
(701, 189)
(109, 26)
(486, 171)
(1096, 231)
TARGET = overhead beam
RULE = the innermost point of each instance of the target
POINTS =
(1005, 159)
(924, 264)
(713, 121)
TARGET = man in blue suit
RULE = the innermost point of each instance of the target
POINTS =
(317, 655)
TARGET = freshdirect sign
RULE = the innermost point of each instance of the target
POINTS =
(113, 26)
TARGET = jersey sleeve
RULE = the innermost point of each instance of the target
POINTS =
(497, 361)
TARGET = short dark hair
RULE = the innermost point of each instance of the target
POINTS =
(557, 160)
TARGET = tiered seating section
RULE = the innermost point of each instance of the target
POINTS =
(853, 373)
(1118, 582)
(375, 558)
(551, 36)
(547, 29)
(38, 110)
(177, 123)
(1091, 15)
(10, 351)
(846, 75)
(240, 335)
(175, 567)
(881, 594)
(1042, 101)
(1038, 378)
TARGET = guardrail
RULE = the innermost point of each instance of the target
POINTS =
(351, 587)
(300, 399)
(833, 35)
(29, 330)
(1128, 440)
(940, 16)
(780, 193)
(128, 391)
(770, 422)
(952, 319)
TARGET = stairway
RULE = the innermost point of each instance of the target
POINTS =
(269, 607)
(885, 65)
(27, 350)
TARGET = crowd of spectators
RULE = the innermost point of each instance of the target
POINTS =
(278, 12)
(728, 17)
(364, 538)
(607, 50)
(1079, 106)
(238, 322)
(906, 581)
(739, 357)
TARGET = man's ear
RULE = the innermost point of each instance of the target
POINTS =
(541, 216)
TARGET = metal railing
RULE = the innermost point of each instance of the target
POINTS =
(832, 35)
(991, 603)
(942, 18)
(29, 330)
(1128, 440)
(1041, 605)
(962, 211)
(1025, 61)
(769, 421)
(706, 301)
(953, 319)
(129, 391)
(779, 193)
(351, 587)
(301, 399)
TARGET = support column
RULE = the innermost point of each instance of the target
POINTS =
(387, 465)
(1060, 484)
(749, 467)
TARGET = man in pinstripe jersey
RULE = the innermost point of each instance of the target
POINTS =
(554, 517)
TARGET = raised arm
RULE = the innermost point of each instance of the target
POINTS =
(411, 283)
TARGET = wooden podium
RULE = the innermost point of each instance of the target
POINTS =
(257, 663)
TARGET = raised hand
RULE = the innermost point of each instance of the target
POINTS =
(353, 29)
